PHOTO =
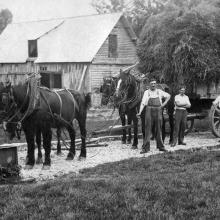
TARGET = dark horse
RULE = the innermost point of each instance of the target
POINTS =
(131, 90)
(52, 108)
(128, 109)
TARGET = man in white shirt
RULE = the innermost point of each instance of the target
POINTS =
(217, 101)
(181, 102)
(152, 99)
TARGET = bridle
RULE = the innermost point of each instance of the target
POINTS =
(123, 91)
(12, 111)
(112, 85)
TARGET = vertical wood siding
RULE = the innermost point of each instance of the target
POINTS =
(71, 73)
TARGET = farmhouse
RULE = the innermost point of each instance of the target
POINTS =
(71, 53)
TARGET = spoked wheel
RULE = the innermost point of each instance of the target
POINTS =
(214, 118)
(189, 126)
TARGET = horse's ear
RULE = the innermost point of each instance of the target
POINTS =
(101, 89)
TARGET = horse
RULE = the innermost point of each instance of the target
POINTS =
(51, 108)
(108, 90)
(13, 129)
(131, 91)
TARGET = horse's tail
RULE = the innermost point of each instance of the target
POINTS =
(88, 100)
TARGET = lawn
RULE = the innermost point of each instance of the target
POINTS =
(177, 185)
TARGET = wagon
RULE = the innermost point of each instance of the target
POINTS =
(202, 96)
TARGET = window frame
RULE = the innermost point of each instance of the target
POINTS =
(34, 52)
(113, 46)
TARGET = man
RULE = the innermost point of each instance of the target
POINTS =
(152, 99)
(181, 102)
(217, 101)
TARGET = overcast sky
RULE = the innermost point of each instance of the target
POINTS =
(26, 10)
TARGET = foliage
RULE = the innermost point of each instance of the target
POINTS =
(136, 11)
(5, 18)
(177, 185)
(182, 43)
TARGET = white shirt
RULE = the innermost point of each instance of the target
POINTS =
(154, 94)
(181, 100)
(217, 101)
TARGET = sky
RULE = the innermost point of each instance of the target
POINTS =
(29, 10)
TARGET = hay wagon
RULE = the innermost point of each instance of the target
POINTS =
(202, 96)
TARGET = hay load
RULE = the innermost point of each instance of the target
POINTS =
(182, 44)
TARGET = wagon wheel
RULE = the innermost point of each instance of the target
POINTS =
(214, 119)
(189, 126)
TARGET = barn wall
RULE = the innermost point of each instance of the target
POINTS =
(103, 66)
(71, 73)
(126, 48)
(16, 71)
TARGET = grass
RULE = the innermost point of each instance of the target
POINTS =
(178, 185)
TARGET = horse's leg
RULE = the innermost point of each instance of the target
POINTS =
(38, 142)
(82, 126)
(58, 141)
(129, 115)
(171, 122)
(163, 128)
(123, 122)
(135, 123)
(143, 122)
(29, 135)
(47, 137)
(72, 150)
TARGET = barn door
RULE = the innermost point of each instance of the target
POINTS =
(51, 79)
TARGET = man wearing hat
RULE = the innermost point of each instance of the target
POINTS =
(152, 99)
(181, 102)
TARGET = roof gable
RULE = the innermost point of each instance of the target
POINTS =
(75, 39)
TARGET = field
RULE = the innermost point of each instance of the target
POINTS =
(176, 185)
(116, 182)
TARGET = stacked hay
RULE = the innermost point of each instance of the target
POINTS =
(182, 44)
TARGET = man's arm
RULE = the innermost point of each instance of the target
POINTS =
(167, 98)
(185, 105)
(142, 103)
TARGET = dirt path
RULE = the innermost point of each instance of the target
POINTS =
(115, 151)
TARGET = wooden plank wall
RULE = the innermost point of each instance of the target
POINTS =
(126, 48)
(71, 73)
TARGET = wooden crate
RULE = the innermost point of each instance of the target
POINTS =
(8, 155)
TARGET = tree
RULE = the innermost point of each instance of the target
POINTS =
(136, 11)
(182, 43)
(5, 18)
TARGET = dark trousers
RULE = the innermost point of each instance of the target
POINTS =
(180, 125)
(153, 117)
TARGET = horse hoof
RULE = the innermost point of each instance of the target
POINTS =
(39, 160)
(28, 167)
(81, 158)
(128, 141)
(59, 154)
(46, 167)
(123, 142)
(70, 157)
(134, 147)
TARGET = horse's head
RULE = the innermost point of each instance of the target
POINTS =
(8, 108)
(12, 129)
(108, 89)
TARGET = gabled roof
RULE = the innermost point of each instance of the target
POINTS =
(76, 39)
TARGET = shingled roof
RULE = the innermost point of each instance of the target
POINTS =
(75, 39)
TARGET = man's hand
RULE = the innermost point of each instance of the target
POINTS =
(138, 115)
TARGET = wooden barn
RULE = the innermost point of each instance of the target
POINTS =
(71, 53)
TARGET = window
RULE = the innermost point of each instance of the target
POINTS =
(51, 80)
(112, 46)
(32, 48)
